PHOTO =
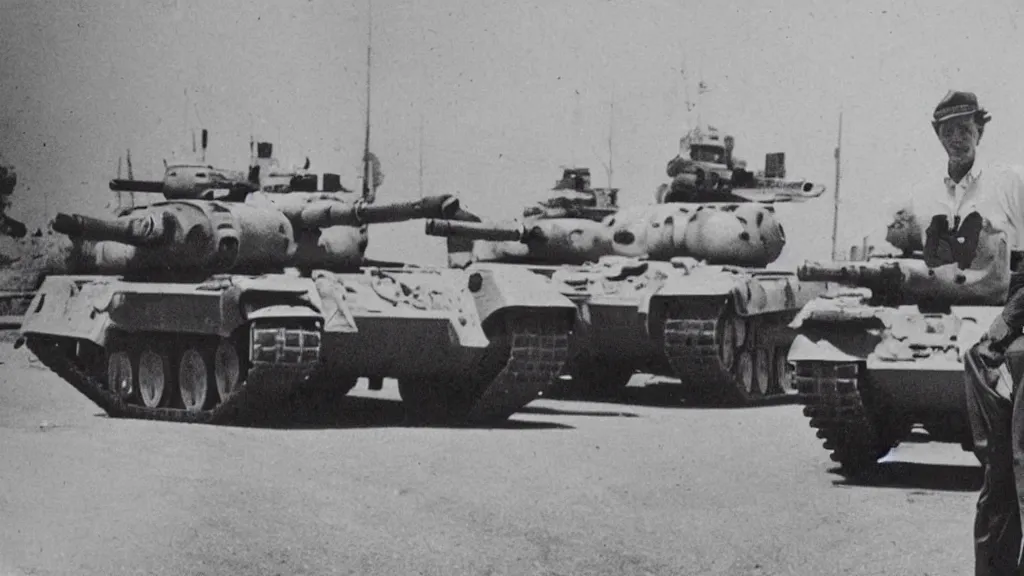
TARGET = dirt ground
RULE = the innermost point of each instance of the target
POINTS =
(638, 488)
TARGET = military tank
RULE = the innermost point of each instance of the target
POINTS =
(884, 353)
(223, 312)
(675, 288)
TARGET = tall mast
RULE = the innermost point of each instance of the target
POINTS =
(835, 204)
(368, 193)
(611, 133)
(421, 154)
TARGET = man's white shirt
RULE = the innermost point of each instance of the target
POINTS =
(995, 191)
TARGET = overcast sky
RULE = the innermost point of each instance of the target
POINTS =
(505, 93)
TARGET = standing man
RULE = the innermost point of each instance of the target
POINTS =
(977, 191)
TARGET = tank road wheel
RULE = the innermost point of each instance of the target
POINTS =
(195, 380)
(740, 330)
(227, 369)
(154, 377)
(120, 373)
(763, 370)
(729, 331)
(781, 382)
(746, 374)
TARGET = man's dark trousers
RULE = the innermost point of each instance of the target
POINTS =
(997, 426)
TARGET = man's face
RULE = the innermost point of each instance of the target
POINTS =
(959, 136)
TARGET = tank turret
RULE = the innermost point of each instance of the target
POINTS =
(182, 238)
(732, 234)
(198, 238)
(194, 181)
(539, 241)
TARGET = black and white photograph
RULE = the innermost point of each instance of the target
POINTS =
(535, 288)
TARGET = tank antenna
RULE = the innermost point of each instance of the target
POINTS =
(835, 203)
(368, 191)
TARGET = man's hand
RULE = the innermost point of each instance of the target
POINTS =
(992, 357)
(904, 232)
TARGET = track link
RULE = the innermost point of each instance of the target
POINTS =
(268, 385)
(844, 412)
(538, 348)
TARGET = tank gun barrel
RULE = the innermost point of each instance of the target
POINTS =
(587, 212)
(886, 280)
(327, 213)
(135, 231)
(857, 274)
(477, 231)
(123, 185)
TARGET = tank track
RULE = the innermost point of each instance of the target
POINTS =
(846, 416)
(538, 350)
(692, 346)
(523, 361)
(268, 385)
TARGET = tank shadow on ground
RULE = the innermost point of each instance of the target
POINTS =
(938, 477)
(667, 396)
(567, 412)
(363, 412)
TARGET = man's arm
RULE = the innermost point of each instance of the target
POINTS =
(1007, 213)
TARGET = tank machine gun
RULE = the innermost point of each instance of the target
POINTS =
(885, 352)
(706, 171)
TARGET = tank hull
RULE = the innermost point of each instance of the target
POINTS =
(867, 375)
(240, 349)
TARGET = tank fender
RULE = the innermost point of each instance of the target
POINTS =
(975, 322)
(283, 311)
(698, 283)
(248, 299)
(64, 307)
(499, 289)
(807, 349)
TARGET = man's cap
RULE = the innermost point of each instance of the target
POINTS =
(957, 103)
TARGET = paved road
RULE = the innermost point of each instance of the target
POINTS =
(565, 488)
